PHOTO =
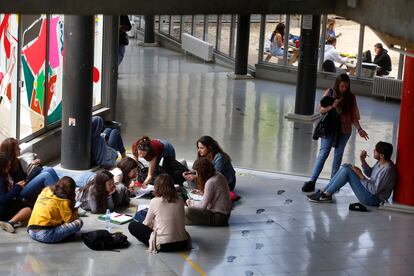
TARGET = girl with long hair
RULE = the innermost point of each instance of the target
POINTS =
(163, 228)
(215, 206)
(152, 150)
(209, 148)
(46, 176)
(347, 108)
(54, 215)
(12, 208)
(101, 193)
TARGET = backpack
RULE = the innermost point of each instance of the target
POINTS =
(103, 240)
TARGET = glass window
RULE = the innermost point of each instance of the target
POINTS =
(164, 23)
(97, 61)
(225, 34)
(346, 33)
(54, 86)
(212, 29)
(8, 73)
(254, 38)
(176, 23)
(187, 23)
(33, 56)
(370, 39)
(199, 26)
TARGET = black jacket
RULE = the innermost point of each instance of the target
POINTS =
(125, 24)
(383, 60)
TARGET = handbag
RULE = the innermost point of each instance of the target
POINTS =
(322, 127)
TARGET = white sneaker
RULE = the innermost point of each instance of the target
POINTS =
(6, 226)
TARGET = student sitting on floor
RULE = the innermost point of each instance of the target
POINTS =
(54, 215)
(45, 176)
(209, 148)
(105, 144)
(126, 172)
(101, 193)
(215, 207)
(163, 228)
(370, 191)
(12, 208)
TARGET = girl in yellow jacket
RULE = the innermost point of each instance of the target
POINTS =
(54, 215)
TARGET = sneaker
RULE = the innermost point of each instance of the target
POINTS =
(308, 186)
(315, 197)
(7, 226)
(325, 198)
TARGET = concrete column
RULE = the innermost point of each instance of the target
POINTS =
(242, 47)
(77, 92)
(404, 192)
(307, 68)
(149, 35)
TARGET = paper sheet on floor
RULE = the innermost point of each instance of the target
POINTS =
(141, 192)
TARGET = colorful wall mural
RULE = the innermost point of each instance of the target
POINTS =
(41, 70)
(8, 72)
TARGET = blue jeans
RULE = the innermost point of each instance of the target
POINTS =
(326, 146)
(80, 178)
(121, 53)
(168, 150)
(32, 189)
(114, 139)
(56, 234)
(347, 175)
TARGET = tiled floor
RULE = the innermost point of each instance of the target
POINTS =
(273, 230)
(270, 233)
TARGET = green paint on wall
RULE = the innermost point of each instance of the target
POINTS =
(56, 115)
(28, 79)
(40, 88)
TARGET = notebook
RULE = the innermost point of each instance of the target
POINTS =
(117, 218)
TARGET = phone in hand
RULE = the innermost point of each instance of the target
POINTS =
(190, 173)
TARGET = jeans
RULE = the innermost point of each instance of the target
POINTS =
(121, 53)
(56, 234)
(80, 178)
(347, 175)
(114, 139)
(197, 216)
(32, 189)
(326, 145)
(168, 149)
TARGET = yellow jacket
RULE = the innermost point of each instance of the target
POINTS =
(50, 210)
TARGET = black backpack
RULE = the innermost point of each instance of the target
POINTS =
(103, 240)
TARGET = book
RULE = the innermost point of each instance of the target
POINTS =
(117, 218)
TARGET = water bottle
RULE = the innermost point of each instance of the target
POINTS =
(107, 219)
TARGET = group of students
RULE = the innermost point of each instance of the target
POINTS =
(372, 190)
(49, 203)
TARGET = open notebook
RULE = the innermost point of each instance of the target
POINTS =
(117, 218)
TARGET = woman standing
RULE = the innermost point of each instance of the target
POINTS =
(215, 206)
(209, 148)
(347, 108)
(54, 215)
(163, 228)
